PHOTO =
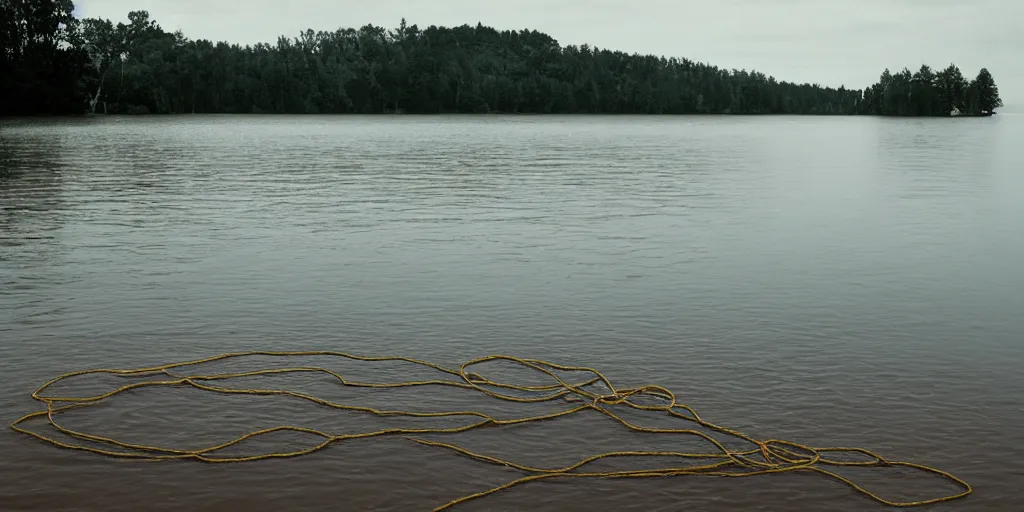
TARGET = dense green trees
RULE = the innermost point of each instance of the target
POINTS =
(461, 69)
(62, 65)
(41, 70)
(927, 93)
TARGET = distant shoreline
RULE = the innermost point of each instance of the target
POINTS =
(479, 114)
(101, 66)
(512, 114)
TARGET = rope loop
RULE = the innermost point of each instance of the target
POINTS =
(763, 457)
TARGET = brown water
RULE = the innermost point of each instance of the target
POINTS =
(831, 281)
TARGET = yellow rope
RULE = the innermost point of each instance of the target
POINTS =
(766, 456)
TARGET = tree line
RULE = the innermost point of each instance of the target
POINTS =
(41, 71)
(54, 63)
(931, 93)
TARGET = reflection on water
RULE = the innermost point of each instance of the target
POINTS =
(832, 281)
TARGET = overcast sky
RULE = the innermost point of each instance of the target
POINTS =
(832, 42)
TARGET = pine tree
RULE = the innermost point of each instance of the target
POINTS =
(986, 92)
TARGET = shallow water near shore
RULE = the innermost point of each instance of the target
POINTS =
(824, 280)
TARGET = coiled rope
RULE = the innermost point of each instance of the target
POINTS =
(766, 457)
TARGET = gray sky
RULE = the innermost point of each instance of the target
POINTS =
(832, 42)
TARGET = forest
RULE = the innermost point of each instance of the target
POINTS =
(52, 63)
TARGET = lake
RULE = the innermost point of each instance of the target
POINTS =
(846, 281)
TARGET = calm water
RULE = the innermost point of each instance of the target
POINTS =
(832, 281)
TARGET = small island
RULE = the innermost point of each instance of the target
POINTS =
(52, 63)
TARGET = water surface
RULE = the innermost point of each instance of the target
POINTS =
(831, 281)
